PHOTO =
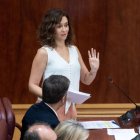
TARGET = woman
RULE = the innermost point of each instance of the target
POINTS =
(58, 56)
(71, 130)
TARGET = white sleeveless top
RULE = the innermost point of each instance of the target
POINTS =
(56, 65)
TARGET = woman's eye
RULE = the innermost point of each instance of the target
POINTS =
(59, 26)
(66, 25)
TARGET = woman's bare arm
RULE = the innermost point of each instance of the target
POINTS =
(37, 70)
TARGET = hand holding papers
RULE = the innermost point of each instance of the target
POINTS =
(77, 97)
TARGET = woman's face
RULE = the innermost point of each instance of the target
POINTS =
(62, 29)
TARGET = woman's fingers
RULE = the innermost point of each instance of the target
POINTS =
(89, 54)
(92, 53)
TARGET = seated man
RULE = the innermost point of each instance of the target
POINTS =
(40, 131)
(53, 97)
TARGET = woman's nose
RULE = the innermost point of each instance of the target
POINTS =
(63, 28)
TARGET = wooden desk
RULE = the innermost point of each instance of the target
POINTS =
(87, 111)
(101, 134)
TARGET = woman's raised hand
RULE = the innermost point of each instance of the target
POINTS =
(94, 61)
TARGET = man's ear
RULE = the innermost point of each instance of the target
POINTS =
(64, 99)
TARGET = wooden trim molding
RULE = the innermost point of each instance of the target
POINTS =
(102, 110)
(86, 110)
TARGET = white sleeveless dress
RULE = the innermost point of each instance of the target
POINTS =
(56, 65)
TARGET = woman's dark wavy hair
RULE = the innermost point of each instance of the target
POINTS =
(46, 31)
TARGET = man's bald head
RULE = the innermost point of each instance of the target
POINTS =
(40, 131)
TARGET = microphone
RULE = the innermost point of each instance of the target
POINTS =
(132, 117)
(112, 82)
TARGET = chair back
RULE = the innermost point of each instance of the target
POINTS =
(3, 123)
(10, 117)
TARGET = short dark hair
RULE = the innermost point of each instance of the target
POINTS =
(54, 88)
(46, 31)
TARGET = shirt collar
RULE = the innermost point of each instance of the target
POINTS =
(52, 109)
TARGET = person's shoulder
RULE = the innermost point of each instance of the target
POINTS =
(45, 49)
(42, 51)
(34, 108)
(74, 47)
(30, 114)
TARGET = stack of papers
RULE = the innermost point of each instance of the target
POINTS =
(77, 97)
(122, 134)
(99, 124)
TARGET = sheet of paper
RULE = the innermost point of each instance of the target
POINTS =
(77, 96)
(99, 124)
(67, 106)
(122, 134)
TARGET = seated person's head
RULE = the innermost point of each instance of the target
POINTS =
(71, 130)
(40, 131)
(55, 88)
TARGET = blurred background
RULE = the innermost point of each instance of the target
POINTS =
(112, 27)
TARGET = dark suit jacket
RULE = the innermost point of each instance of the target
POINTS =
(39, 112)
(137, 137)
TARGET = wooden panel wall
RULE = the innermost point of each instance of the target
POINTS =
(111, 27)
